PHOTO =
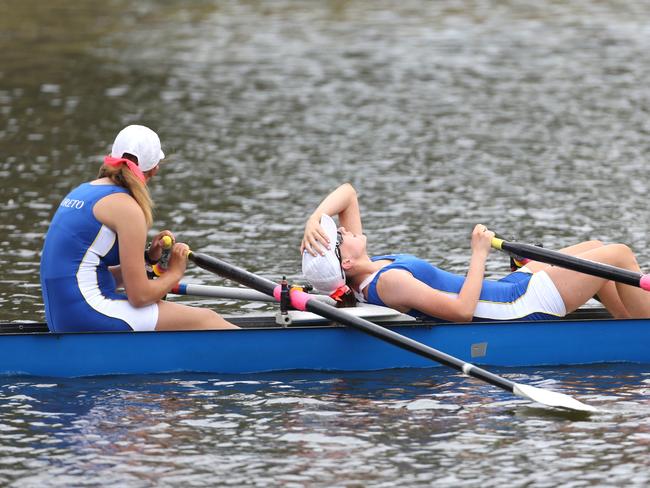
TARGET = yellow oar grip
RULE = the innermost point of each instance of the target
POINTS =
(497, 243)
(166, 242)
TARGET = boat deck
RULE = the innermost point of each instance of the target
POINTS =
(384, 317)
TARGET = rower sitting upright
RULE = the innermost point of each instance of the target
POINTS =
(95, 245)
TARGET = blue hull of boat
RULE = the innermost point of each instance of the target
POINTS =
(321, 348)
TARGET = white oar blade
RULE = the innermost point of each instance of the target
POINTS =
(551, 398)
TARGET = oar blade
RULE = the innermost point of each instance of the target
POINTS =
(551, 398)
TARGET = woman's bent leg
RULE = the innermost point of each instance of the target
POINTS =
(576, 288)
(176, 316)
(609, 297)
(607, 294)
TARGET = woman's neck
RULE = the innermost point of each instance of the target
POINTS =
(363, 270)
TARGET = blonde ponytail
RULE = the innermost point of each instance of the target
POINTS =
(121, 175)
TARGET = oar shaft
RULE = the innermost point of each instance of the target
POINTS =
(226, 292)
(231, 293)
(585, 266)
(302, 300)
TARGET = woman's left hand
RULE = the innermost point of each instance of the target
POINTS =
(315, 239)
(482, 239)
(156, 247)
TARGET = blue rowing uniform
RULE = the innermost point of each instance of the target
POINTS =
(518, 296)
(79, 290)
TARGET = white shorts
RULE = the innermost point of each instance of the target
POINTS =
(546, 294)
(541, 300)
(140, 319)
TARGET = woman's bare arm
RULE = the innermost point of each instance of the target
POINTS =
(399, 289)
(121, 213)
(342, 202)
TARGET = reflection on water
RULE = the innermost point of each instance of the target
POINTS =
(413, 427)
(529, 117)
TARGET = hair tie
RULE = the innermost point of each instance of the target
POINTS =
(339, 292)
(135, 169)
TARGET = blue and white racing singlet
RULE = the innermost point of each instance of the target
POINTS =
(79, 290)
(518, 296)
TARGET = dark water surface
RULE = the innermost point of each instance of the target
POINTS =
(531, 117)
(402, 427)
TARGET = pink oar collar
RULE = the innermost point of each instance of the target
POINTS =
(298, 298)
(644, 282)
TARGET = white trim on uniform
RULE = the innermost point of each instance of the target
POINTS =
(138, 318)
(359, 294)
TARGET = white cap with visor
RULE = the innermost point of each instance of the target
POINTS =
(140, 141)
(324, 272)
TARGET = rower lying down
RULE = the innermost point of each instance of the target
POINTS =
(336, 260)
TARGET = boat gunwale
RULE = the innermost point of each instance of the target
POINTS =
(584, 316)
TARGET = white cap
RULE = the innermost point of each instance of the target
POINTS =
(324, 272)
(140, 141)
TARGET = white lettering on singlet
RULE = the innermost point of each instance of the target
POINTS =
(72, 203)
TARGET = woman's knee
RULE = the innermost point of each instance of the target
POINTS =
(622, 254)
(620, 249)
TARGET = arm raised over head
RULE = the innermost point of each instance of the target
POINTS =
(342, 202)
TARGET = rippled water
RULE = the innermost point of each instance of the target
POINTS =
(413, 428)
(531, 117)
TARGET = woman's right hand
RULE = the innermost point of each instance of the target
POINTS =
(482, 240)
(156, 248)
(178, 259)
(315, 239)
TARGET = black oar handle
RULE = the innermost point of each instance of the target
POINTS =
(573, 263)
(233, 273)
(303, 301)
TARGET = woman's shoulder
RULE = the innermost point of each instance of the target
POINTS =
(394, 282)
(119, 199)
(116, 206)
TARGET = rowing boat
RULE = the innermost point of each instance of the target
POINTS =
(305, 341)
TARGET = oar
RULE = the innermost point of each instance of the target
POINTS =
(233, 293)
(303, 301)
(585, 266)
